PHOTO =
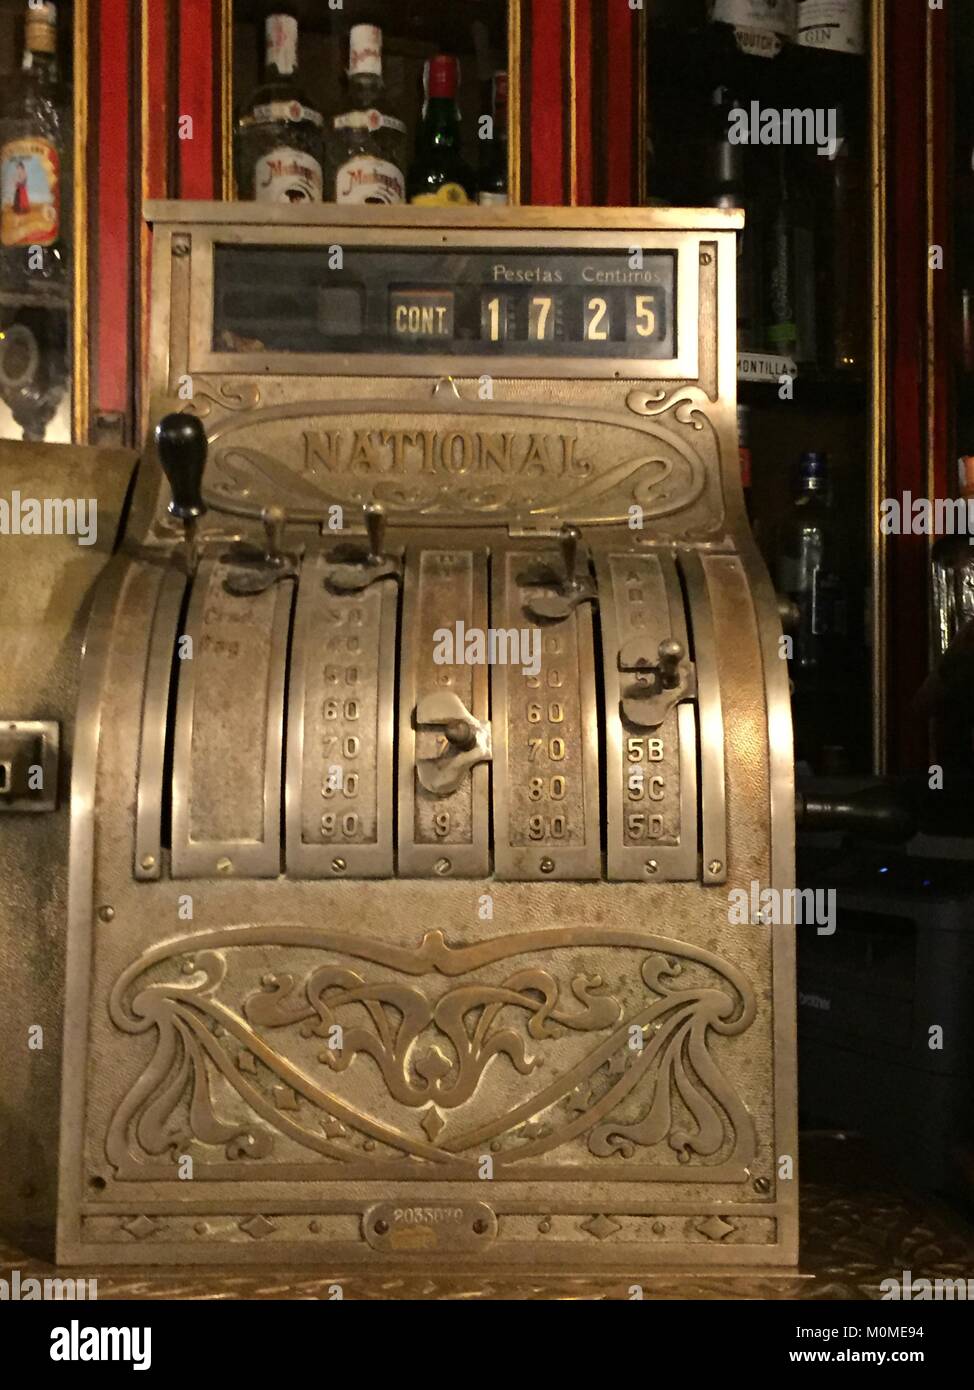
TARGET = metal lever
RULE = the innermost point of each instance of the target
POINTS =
(255, 568)
(181, 445)
(573, 591)
(468, 742)
(353, 568)
(662, 682)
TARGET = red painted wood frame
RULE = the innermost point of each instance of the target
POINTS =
(153, 131)
(583, 126)
(108, 301)
(914, 364)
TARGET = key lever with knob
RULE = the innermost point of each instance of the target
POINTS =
(181, 445)
(571, 590)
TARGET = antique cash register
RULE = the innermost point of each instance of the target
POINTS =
(430, 711)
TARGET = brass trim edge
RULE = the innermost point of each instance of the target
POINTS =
(80, 336)
(227, 183)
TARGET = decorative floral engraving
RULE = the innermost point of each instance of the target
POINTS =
(688, 405)
(449, 1078)
(433, 1023)
(232, 395)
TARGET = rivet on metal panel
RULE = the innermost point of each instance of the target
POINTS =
(106, 913)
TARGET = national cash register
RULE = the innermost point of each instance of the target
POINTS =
(430, 712)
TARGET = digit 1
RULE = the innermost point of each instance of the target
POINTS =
(494, 319)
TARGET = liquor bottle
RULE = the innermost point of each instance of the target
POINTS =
(836, 25)
(744, 452)
(953, 569)
(809, 573)
(279, 133)
(439, 173)
(367, 148)
(965, 332)
(848, 287)
(729, 189)
(790, 258)
(34, 182)
(761, 27)
(964, 249)
(492, 184)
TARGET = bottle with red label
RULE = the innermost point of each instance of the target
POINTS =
(367, 146)
(34, 135)
(280, 148)
(439, 173)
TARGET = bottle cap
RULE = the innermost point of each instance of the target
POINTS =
(281, 38)
(814, 469)
(965, 471)
(40, 28)
(365, 50)
(443, 76)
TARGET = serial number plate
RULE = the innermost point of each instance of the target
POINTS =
(397, 1226)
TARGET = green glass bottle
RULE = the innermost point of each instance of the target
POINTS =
(492, 189)
(439, 173)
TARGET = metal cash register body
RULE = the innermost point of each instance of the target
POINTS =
(412, 776)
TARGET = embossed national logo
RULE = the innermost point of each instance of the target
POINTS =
(447, 460)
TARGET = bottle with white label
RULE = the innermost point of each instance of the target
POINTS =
(367, 144)
(836, 25)
(761, 27)
(279, 132)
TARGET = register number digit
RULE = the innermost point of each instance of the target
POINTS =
(455, 717)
